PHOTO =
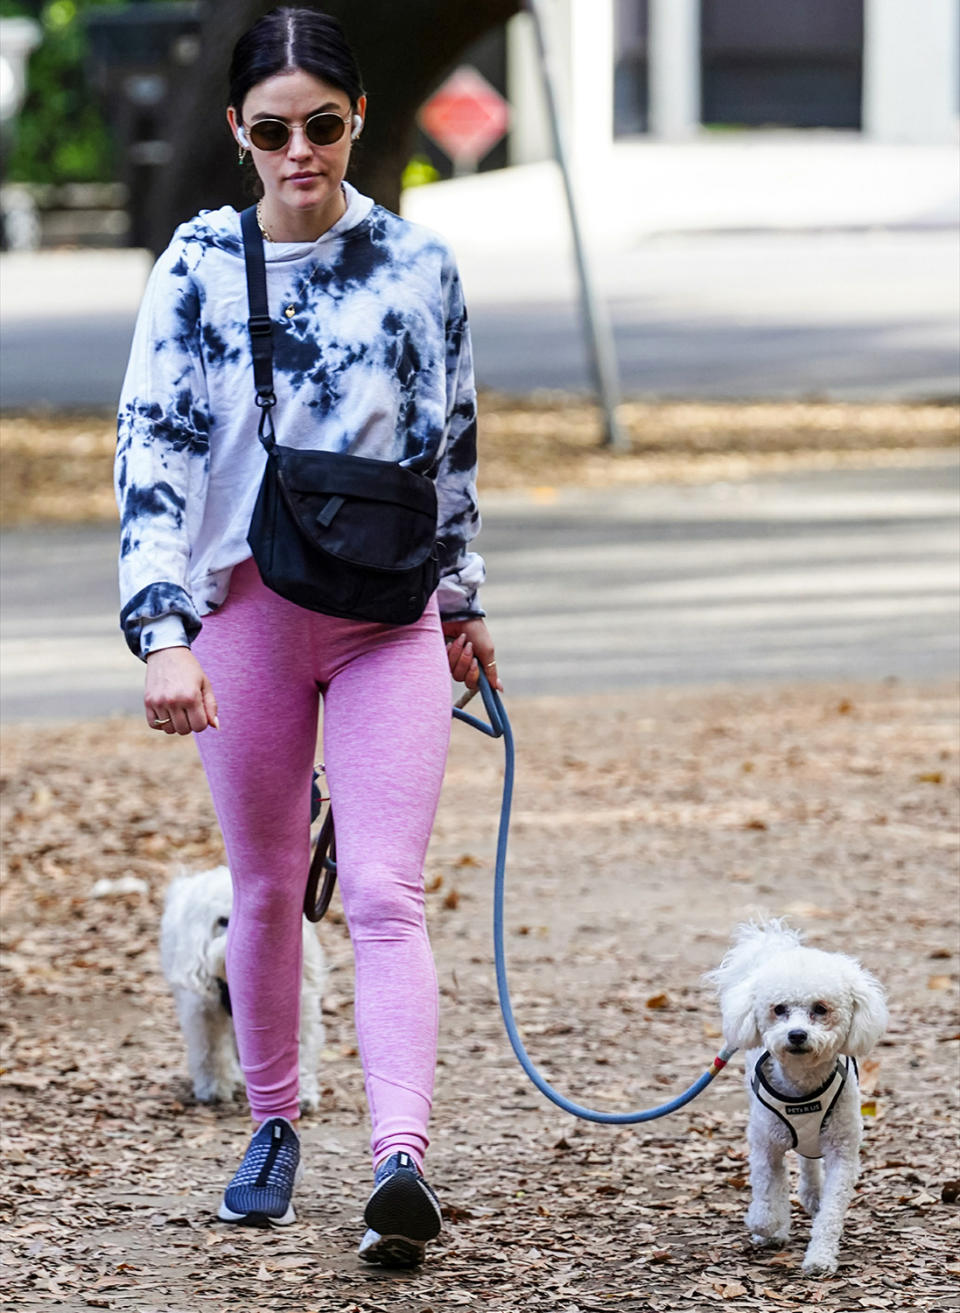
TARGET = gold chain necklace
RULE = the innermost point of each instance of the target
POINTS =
(263, 232)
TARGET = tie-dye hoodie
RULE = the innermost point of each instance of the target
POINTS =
(371, 356)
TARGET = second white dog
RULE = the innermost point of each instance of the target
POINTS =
(193, 942)
(804, 1016)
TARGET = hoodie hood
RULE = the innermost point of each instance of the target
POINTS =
(221, 228)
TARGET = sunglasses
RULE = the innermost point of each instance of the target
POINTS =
(273, 134)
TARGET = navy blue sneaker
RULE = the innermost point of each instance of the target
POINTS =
(402, 1214)
(261, 1192)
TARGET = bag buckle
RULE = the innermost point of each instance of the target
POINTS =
(260, 325)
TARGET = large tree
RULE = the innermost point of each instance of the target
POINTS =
(404, 48)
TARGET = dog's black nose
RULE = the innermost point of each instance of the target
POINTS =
(797, 1038)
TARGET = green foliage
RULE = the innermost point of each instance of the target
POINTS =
(60, 135)
(419, 172)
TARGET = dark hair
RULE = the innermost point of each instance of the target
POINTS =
(293, 38)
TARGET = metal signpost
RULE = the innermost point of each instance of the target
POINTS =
(596, 322)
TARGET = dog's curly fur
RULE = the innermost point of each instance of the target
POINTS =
(193, 942)
(805, 1007)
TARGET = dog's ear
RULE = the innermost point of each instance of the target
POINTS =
(739, 1021)
(869, 1011)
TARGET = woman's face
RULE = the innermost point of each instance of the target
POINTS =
(300, 176)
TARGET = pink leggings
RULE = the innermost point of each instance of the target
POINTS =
(386, 727)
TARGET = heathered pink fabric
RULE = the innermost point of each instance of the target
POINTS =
(386, 728)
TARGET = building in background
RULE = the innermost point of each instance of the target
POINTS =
(676, 69)
(672, 68)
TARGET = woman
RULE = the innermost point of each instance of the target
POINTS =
(372, 357)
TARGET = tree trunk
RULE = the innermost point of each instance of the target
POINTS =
(404, 49)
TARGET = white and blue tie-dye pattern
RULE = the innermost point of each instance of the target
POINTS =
(371, 356)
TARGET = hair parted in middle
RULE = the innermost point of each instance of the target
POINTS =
(288, 38)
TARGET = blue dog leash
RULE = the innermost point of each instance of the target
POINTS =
(499, 727)
(323, 874)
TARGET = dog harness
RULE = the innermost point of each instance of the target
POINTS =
(804, 1118)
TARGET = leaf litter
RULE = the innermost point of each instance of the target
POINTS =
(113, 1171)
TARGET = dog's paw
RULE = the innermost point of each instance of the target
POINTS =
(761, 1241)
(309, 1096)
(819, 1265)
(766, 1231)
(810, 1201)
(215, 1091)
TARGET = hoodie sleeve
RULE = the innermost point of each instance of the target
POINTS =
(162, 461)
(462, 571)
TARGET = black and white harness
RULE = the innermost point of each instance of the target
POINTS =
(804, 1118)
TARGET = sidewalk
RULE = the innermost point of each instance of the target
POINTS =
(746, 182)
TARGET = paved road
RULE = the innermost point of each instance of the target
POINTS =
(841, 315)
(818, 576)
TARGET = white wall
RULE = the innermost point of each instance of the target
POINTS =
(579, 36)
(911, 70)
(674, 68)
(911, 74)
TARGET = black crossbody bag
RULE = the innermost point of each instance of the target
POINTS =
(344, 535)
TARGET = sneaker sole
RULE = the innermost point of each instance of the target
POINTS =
(402, 1210)
(392, 1251)
(255, 1219)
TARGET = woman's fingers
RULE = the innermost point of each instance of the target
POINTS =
(209, 704)
(468, 654)
(178, 698)
(460, 657)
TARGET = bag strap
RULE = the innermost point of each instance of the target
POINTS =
(259, 323)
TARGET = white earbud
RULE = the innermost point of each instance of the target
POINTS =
(357, 127)
(242, 137)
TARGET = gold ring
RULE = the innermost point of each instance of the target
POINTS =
(491, 665)
(163, 722)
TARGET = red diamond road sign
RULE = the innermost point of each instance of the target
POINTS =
(466, 117)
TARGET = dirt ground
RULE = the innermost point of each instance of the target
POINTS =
(645, 827)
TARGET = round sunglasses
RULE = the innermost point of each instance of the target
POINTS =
(273, 134)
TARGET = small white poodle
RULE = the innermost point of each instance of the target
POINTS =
(193, 943)
(804, 1016)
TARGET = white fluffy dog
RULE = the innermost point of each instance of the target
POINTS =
(804, 1016)
(193, 942)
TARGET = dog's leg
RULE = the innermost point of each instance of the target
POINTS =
(311, 1044)
(839, 1178)
(196, 1021)
(201, 1023)
(768, 1217)
(811, 1181)
(229, 1077)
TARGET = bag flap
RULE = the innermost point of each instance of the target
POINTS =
(363, 512)
(355, 476)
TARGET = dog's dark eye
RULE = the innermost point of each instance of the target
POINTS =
(223, 921)
(780, 1010)
(819, 1010)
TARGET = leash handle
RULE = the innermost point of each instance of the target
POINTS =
(492, 705)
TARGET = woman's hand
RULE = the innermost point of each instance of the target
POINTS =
(177, 697)
(469, 646)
